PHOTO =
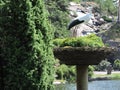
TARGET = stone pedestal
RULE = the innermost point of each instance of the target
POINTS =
(81, 57)
(82, 77)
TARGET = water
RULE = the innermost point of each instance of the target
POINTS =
(94, 85)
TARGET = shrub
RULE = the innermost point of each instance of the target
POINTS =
(103, 65)
(116, 65)
(107, 19)
(65, 72)
(90, 71)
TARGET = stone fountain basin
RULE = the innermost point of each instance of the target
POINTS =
(82, 55)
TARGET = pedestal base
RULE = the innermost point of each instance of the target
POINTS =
(82, 77)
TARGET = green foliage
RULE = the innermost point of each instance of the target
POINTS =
(58, 14)
(107, 7)
(27, 61)
(90, 40)
(65, 72)
(77, 1)
(116, 64)
(113, 32)
(68, 73)
(90, 71)
(107, 19)
(103, 65)
(58, 42)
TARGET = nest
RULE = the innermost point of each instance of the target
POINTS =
(82, 55)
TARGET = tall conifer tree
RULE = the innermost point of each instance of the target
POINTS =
(26, 50)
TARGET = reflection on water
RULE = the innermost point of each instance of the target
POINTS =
(95, 85)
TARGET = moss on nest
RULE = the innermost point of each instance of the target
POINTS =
(82, 55)
(90, 40)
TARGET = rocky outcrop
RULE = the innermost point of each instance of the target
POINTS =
(95, 25)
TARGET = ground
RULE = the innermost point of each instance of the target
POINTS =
(104, 76)
(104, 72)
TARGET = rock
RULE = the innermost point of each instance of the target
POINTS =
(96, 25)
(81, 30)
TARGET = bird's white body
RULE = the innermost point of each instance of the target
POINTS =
(80, 14)
(85, 17)
(82, 29)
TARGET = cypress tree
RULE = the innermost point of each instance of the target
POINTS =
(27, 60)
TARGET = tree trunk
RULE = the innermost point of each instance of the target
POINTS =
(118, 13)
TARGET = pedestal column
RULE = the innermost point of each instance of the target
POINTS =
(82, 77)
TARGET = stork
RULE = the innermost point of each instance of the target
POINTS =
(81, 17)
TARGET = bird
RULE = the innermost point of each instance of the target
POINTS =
(81, 18)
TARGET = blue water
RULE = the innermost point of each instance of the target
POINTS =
(94, 85)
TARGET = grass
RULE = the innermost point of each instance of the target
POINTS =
(112, 76)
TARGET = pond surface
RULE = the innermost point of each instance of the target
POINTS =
(94, 85)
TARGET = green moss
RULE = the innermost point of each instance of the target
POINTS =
(90, 40)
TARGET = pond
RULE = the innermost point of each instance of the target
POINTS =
(94, 85)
